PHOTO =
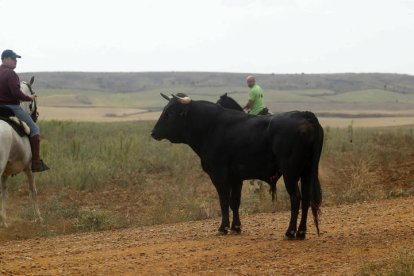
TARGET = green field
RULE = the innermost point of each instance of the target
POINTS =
(114, 175)
(142, 90)
(151, 100)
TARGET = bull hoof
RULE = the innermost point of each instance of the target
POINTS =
(236, 230)
(223, 231)
(290, 235)
(301, 235)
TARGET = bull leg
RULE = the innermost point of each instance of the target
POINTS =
(291, 184)
(3, 201)
(224, 196)
(33, 194)
(305, 188)
(235, 198)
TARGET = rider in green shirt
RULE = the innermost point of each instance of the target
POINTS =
(255, 105)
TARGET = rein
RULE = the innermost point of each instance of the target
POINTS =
(33, 105)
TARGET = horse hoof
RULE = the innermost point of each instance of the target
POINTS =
(236, 230)
(301, 235)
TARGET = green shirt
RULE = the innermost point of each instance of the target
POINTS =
(256, 96)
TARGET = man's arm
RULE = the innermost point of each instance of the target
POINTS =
(14, 85)
(248, 105)
(250, 102)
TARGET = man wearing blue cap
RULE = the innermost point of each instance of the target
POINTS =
(11, 96)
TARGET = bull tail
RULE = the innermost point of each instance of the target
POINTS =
(316, 191)
(272, 182)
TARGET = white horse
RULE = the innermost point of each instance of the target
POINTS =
(16, 155)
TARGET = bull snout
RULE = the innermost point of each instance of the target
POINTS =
(155, 136)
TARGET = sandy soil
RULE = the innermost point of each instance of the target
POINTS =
(352, 236)
(96, 114)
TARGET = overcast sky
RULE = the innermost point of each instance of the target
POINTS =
(251, 36)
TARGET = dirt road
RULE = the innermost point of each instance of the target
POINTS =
(352, 235)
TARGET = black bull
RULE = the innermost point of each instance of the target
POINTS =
(234, 146)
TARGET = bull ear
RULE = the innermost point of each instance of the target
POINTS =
(165, 97)
(31, 80)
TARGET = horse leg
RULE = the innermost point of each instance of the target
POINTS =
(235, 197)
(305, 188)
(291, 184)
(33, 194)
(3, 200)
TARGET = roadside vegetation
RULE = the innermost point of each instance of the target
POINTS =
(400, 263)
(114, 175)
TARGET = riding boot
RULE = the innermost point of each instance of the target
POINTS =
(37, 163)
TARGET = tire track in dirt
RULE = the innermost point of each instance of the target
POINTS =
(352, 236)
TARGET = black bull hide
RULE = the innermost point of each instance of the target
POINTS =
(234, 146)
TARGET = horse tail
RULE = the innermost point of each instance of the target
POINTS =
(316, 190)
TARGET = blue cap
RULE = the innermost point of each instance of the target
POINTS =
(9, 53)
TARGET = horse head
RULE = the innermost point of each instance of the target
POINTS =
(229, 103)
(29, 107)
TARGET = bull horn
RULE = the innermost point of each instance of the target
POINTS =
(165, 97)
(182, 100)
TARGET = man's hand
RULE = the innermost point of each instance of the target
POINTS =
(248, 105)
(33, 96)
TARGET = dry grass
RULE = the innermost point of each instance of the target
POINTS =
(113, 175)
(401, 264)
(377, 164)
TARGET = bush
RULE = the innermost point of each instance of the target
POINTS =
(401, 264)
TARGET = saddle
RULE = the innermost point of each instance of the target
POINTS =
(7, 115)
(265, 111)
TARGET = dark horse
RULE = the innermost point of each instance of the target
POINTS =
(229, 103)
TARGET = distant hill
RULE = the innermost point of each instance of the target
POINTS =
(283, 92)
(139, 82)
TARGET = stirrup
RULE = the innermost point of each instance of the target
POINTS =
(39, 166)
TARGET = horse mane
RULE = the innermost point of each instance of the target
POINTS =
(229, 103)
